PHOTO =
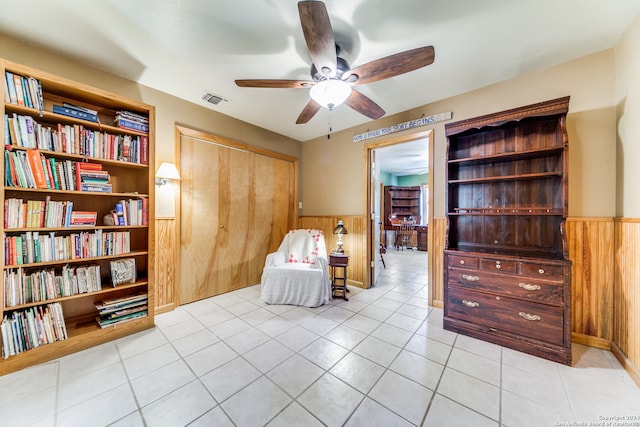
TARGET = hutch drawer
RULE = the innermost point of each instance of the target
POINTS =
(527, 319)
(508, 285)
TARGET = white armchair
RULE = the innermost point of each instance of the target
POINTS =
(298, 272)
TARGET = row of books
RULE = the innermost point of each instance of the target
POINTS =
(119, 310)
(131, 212)
(31, 169)
(23, 330)
(23, 90)
(33, 247)
(25, 131)
(132, 121)
(44, 213)
(71, 110)
(21, 287)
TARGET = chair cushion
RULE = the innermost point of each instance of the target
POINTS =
(304, 246)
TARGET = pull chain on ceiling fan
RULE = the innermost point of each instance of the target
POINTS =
(332, 77)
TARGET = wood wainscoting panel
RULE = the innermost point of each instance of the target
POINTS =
(438, 227)
(591, 251)
(166, 265)
(355, 243)
(626, 322)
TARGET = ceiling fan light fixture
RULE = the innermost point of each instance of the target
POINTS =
(330, 93)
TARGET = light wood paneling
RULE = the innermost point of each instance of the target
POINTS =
(355, 243)
(166, 265)
(626, 293)
(591, 251)
(438, 227)
(236, 204)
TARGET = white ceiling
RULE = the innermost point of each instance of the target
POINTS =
(188, 47)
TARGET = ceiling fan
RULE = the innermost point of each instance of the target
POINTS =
(332, 77)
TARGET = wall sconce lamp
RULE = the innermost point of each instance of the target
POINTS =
(166, 171)
(340, 230)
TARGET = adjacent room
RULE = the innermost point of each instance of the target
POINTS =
(320, 213)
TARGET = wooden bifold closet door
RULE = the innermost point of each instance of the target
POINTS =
(236, 205)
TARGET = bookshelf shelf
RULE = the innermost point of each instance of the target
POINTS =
(77, 260)
(107, 289)
(91, 152)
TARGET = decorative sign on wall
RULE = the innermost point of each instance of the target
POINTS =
(423, 121)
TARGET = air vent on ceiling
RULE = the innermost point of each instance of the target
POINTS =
(212, 98)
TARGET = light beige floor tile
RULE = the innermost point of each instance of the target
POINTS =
(179, 407)
(402, 396)
(418, 369)
(477, 366)
(295, 415)
(247, 340)
(104, 408)
(151, 360)
(256, 404)
(229, 378)
(358, 372)
(323, 353)
(295, 374)
(445, 412)
(345, 336)
(392, 334)
(268, 355)
(376, 350)
(331, 400)
(372, 414)
(160, 382)
(215, 417)
(297, 338)
(84, 387)
(191, 343)
(210, 358)
(471, 392)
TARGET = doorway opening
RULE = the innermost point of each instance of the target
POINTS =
(414, 152)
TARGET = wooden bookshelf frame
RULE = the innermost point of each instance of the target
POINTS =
(129, 180)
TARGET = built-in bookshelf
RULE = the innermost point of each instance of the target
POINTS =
(78, 195)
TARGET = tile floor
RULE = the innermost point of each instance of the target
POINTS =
(380, 359)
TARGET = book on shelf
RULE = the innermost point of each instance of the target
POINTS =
(24, 287)
(119, 310)
(37, 246)
(83, 218)
(23, 90)
(26, 329)
(131, 125)
(35, 163)
(72, 112)
(123, 271)
(79, 108)
(11, 87)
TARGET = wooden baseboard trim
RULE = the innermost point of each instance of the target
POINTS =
(591, 341)
(628, 366)
(437, 304)
(164, 308)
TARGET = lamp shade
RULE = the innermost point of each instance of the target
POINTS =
(340, 228)
(168, 171)
(330, 93)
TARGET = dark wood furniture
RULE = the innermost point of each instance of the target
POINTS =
(401, 201)
(422, 233)
(339, 283)
(507, 273)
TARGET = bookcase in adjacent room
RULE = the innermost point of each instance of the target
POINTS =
(78, 199)
(507, 273)
(401, 201)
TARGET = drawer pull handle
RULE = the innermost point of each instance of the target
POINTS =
(529, 287)
(472, 304)
(541, 271)
(470, 278)
(527, 316)
(462, 261)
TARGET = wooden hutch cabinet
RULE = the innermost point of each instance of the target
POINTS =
(401, 201)
(507, 273)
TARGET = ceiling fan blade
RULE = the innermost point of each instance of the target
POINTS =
(392, 65)
(308, 112)
(364, 105)
(319, 36)
(294, 84)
